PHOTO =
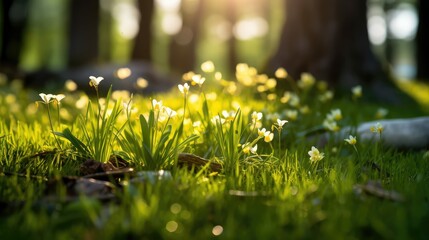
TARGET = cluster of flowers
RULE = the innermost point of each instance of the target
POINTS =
(248, 76)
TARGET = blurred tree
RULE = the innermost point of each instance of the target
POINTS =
(422, 41)
(330, 40)
(232, 41)
(143, 40)
(14, 15)
(183, 45)
(83, 32)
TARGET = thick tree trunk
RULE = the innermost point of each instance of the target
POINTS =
(83, 32)
(422, 41)
(14, 14)
(328, 39)
(143, 41)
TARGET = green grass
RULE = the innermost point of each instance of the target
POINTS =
(274, 194)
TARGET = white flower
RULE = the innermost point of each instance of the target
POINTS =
(170, 112)
(157, 106)
(281, 122)
(268, 136)
(261, 132)
(256, 116)
(335, 115)
(381, 113)
(254, 149)
(229, 116)
(46, 97)
(315, 155)
(292, 114)
(217, 119)
(197, 79)
(357, 91)
(331, 125)
(351, 140)
(378, 128)
(94, 81)
(59, 97)
(183, 88)
(247, 148)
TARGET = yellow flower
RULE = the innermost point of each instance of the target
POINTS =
(281, 73)
(286, 97)
(207, 67)
(188, 76)
(315, 155)
(94, 81)
(351, 140)
(378, 128)
(307, 81)
(142, 83)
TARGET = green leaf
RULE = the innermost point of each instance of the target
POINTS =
(79, 145)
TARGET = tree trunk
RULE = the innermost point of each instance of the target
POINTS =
(328, 39)
(83, 32)
(422, 41)
(143, 41)
(182, 51)
(14, 15)
(232, 41)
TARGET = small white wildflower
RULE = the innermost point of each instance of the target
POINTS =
(315, 155)
(256, 116)
(268, 136)
(261, 132)
(184, 88)
(170, 112)
(94, 81)
(197, 79)
(378, 128)
(280, 122)
(59, 97)
(157, 105)
(357, 91)
(46, 97)
(351, 140)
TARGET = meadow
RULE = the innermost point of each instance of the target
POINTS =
(261, 173)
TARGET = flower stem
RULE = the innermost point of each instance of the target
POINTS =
(52, 127)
